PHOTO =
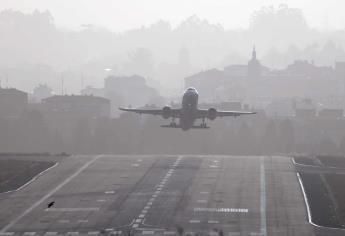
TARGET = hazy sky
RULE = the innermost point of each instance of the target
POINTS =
(126, 14)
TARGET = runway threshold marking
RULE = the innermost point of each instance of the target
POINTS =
(48, 195)
(141, 218)
(263, 222)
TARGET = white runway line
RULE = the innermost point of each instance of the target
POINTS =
(51, 233)
(29, 233)
(213, 222)
(72, 209)
(148, 232)
(169, 233)
(194, 221)
(48, 195)
(32, 180)
(83, 221)
(109, 192)
(263, 222)
(64, 221)
(202, 201)
(93, 232)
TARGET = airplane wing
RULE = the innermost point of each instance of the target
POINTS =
(234, 113)
(174, 112)
(215, 113)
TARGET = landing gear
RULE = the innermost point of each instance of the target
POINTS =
(173, 123)
(203, 123)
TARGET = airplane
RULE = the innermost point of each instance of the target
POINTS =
(188, 113)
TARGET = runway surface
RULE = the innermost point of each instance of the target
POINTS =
(160, 195)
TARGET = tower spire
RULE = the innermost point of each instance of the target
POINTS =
(254, 53)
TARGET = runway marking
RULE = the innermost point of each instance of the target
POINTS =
(72, 233)
(32, 180)
(263, 222)
(7, 233)
(48, 195)
(29, 233)
(64, 221)
(213, 222)
(202, 201)
(109, 192)
(148, 232)
(234, 233)
(222, 210)
(169, 233)
(109, 229)
(101, 200)
(194, 221)
(93, 232)
(204, 192)
(83, 221)
(158, 189)
(213, 166)
(51, 233)
(118, 232)
(72, 209)
(136, 165)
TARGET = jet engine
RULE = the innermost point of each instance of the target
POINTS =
(167, 113)
(212, 113)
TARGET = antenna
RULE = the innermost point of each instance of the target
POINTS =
(62, 81)
(81, 82)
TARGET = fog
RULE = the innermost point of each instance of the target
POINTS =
(65, 68)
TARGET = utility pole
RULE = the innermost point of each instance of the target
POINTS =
(62, 92)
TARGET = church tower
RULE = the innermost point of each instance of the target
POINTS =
(254, 66)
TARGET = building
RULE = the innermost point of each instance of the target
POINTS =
(302, 79)
(254, 67)
(128, 90)
(79, 106)
(12, 102)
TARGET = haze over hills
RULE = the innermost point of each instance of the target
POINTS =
(34, 50)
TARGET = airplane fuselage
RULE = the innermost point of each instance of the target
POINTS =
(189, 108)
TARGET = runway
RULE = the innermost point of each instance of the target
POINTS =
(160, 195)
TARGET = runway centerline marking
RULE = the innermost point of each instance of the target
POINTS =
(158, 188)
(48, 195)
(263, 222)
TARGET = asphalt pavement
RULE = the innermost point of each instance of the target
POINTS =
(160, 195)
